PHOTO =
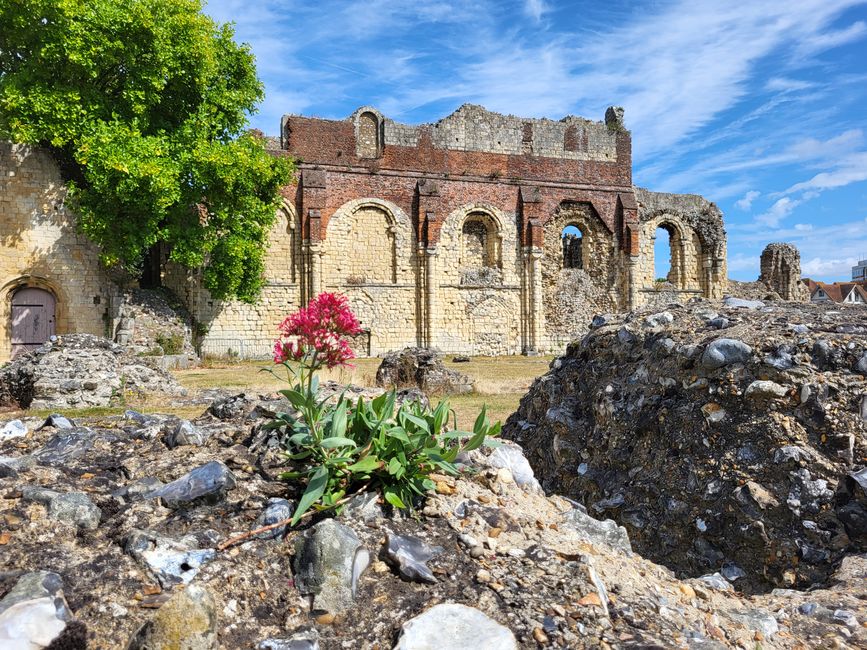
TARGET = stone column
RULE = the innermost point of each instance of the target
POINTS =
(632, 273)
(315, 269)
(536, 310)
(431, 287)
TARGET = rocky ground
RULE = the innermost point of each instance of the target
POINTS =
(79, 371)
(725, 442)
(112, 527)
(726, 437)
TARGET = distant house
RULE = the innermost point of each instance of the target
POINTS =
(859, 271)
(839, 292)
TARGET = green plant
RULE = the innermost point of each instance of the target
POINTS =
(345, 447)
(170, 343)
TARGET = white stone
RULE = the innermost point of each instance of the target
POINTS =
(454, 627)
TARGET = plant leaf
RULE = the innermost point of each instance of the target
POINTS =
(393, 499)
(333, 442)
(315, 490)
(366, 464)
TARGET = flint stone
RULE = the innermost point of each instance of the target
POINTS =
(763, 389)
(206, 484)
(452, 626)
(34, 612)
(329, 559)
(186, 433)
(410, 555)
(758, 621)
(58, 422)
(139, 489)
(791, 454)
(861, 366)
(723, 352)
(781, 359)
(511, 456)
(172, 562)
(600, 320)
(74, 508)
(719, 323)
(717, 581)
(187, 621)
(230, 408)
(277, 510)
(364, 506)
(659, 320)
(308, 640)
(740, 303)
(605, 533)
(13, 429)
(799, 329)
(65, 447)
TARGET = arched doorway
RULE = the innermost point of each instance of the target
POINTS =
(33, 319)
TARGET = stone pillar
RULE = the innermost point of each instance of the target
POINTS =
(431, 287)
(535, 310)
(632, 274)
(315, 269)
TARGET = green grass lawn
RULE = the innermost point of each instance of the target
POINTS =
(500, 384)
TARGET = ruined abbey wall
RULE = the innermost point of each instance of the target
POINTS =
(40, 248)
(448, 235)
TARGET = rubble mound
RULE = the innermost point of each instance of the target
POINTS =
(79, 371)
(154, 322)
(124, 550)
(422, 368)
(725, 437)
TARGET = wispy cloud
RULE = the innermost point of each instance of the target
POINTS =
(535, 8)
(747, 201)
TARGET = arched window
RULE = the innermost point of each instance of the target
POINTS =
(369, 143)
(479, 242)
(573, 251)
(662, 255)
(480, 250)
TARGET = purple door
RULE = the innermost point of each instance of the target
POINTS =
(32, 319)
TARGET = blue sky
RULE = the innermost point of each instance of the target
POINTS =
(760, 106)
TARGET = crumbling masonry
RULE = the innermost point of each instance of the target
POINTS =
(450, 235)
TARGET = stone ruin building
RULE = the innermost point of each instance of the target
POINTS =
(480, 234)
(781, 272)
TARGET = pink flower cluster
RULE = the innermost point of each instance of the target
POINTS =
(318, 328)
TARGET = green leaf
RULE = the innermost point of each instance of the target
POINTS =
(338, 420)
(393, 499)
(336, 441)
(315, 490)
(394, 466)
(398, 433)
(480, 420)
(366, 464)
(297, 399)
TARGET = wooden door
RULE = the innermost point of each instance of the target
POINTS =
(32, 319)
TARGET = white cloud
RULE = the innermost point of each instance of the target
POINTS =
(840, 269)
(785, 85)
(848, 169)
(747, 201)
(781, 209)
(535, 8)
(803, 227)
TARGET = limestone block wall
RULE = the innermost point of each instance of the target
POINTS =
(234, 328)
(478, 313)
(370, 254)
(40, 247)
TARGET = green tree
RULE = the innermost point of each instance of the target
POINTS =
(144, 104)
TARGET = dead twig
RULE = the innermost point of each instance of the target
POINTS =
(222, 546)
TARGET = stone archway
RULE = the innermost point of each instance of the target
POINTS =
(33, 318)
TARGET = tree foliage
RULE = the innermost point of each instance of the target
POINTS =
(145, 103)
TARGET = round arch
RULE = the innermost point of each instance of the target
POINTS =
(12, 287)
(380, 237)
